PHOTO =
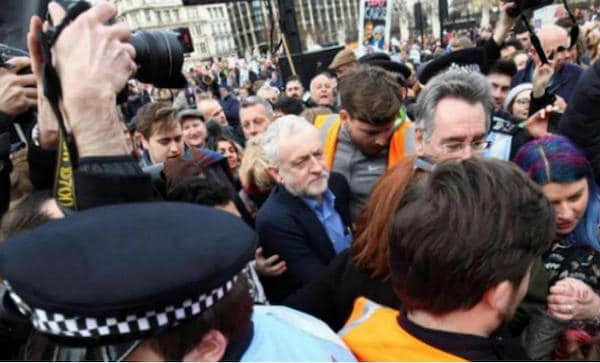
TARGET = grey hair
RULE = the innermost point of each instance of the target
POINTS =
(471, 87)
(284, 129)
(255, 100)
(204, 105)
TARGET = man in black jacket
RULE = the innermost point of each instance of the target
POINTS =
(306, 219)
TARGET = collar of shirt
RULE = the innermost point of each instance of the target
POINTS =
(326, 205)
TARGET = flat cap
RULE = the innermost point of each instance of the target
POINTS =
(344, 56)
(469, 59)
(124, 272)
(189, 112)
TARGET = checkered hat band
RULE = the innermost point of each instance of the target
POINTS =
(86, 327)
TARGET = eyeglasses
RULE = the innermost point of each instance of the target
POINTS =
(459, 147)
(559, 49)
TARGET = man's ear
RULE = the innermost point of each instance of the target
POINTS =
(344, 117)
(419, 142)
(499, 297)
(145, 142)
(210, 349)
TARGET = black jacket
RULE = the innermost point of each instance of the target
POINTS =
(581, 120)
(288, 227)
(331, 296)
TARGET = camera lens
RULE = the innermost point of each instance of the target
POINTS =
(159, 56)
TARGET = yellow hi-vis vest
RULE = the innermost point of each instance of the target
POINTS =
(401, 144)
(373, 334)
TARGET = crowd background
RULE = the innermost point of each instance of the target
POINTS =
(336, 177)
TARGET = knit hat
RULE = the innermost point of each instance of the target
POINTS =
(514, 92)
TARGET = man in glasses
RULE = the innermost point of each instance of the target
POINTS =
(453, 115)
(560, 75)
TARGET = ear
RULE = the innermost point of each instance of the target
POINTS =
(419, 142)
(499, 297)
(344, 117)
(210, 349)
(274, 174)
(145, 142)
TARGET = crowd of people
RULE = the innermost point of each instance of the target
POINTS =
(443, 207)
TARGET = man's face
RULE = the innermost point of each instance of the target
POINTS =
(194, 132)
(215, 112)
(302, 170)
(525, 40)
(508, 52)
(269, 95)
(254, 120)
(500, 87)
(294, 90)
(521, 60)
(368, 30)
(459, 132)
(164, 143)
(556, 47)
(369, 139)
(321, 91)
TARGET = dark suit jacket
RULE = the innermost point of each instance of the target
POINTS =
(563, 82)
(288, 227)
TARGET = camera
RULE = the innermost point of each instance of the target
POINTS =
(522, 6)
(158, 53)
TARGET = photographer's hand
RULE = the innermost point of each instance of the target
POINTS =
(46, 120)
(505, 23)
(17, 92)
(94, 62)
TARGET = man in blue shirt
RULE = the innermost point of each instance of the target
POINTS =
(305, 220)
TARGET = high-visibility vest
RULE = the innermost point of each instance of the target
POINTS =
(401, 144)
(373, 334)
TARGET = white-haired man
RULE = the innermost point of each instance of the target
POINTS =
(306, 218)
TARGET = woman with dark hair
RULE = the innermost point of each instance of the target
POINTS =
(363, 269)
(232, 152)
(573, 262)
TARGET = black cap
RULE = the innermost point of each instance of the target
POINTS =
(384, 61)
(469, 59)
(124, 272)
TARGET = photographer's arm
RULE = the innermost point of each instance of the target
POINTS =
(503, 27)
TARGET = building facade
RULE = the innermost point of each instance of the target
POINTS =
(320, 22)
(209, 25)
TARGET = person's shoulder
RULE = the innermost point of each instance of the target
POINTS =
(573, 69)
(273, 208)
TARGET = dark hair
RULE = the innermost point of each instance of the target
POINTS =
(504, 67)
(462, 230)
(292, 78)
(371, 250)
(376, 101)
(27, 215)
(230, 316)
(513, 43)
(160, 113)
(200, 190)
(289, 106)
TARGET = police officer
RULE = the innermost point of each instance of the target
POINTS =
(151, 282)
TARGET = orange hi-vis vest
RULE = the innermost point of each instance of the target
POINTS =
(373, 335)
(402, 142)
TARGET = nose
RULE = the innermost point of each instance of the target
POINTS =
(467, 152)
(564, 211)
(252, 130)
(382, 139)
(173, 147)
(316, 166)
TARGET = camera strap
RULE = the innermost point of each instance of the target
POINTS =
(535, 41)
(68, 157)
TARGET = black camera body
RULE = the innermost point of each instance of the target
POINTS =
(523, 6)
(159, 53)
